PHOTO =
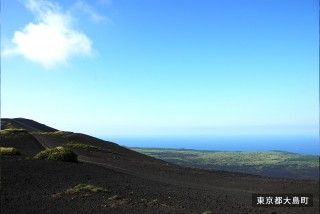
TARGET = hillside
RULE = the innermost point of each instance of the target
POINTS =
(26, 124)
(120, 180)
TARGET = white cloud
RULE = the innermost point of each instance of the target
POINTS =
(51, 38)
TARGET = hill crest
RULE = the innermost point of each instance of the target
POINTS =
(27, 124)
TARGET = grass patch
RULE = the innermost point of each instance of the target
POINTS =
(11, 131)
(8, 125)
(55, 133)
(85, 188)
(82, 146)
(57, 153)
(9, 151)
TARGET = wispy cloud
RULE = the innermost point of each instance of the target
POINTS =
(105, 2)
(51, 38)
(90, 11)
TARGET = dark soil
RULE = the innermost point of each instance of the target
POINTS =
(22, 123)
(134, 183)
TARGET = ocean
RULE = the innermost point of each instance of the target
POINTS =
(297, 144)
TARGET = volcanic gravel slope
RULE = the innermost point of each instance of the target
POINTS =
(28, 125)
(133, 182)
(22, 140)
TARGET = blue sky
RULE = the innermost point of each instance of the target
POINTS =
(119, 67)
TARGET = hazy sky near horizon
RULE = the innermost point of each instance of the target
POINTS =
(162, 66)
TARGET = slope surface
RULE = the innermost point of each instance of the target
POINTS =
(134, 183)
(22, 123)
(22, 140)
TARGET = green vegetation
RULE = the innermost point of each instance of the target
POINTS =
(85, 188)
(8, 126)
(56, 133)
(263, 163)
(9, 151)
(57, 153)
(233, 158)
(207, 212)
(11, 131)
(82, 146)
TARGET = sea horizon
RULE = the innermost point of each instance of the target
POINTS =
(301, 144)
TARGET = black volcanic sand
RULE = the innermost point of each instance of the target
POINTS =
(22, 123)
(23, 141)
(140, 183)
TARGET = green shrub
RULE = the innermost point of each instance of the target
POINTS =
(54, 133)
(57, 153)
(82, 146)
(9, 151)
(11, 131)
(85, 188)
(8, 125)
